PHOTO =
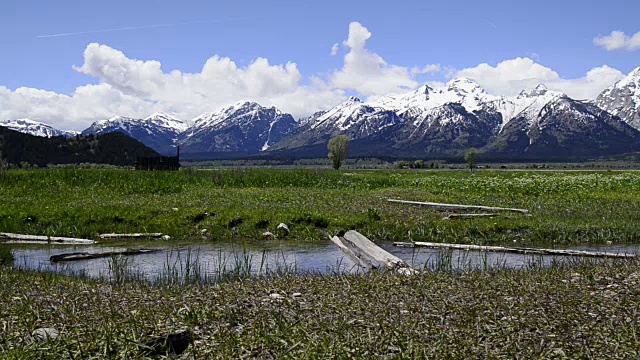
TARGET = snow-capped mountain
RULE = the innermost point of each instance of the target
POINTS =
(245, 127)
(428, 121)
(623, 99)
(158, 131)
(425, 122)
(352, 117)
(36, 128)
(565, 127)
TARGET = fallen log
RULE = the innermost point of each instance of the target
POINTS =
(516, 250)
(88, 256)
(368, 255)
(363, 263)
(443, 206)
(36, 239)
(467, 216)
(134, 235)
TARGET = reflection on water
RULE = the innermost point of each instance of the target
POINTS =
(215, 259)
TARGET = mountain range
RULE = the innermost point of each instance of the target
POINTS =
(430, 122)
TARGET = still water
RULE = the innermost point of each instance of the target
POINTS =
(214, 259)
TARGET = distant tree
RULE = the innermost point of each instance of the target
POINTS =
(470, 157)
(4, 165)
(338, 146)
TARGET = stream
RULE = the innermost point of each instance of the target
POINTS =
(213, 260)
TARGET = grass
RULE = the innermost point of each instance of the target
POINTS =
(580, 309)
(566, 207)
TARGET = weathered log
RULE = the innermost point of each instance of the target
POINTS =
(36, 239)
(467, 216)
(363, 263)
(368, 254)
(134, 235)
(443, 206)
(88, 256)
(516, 250)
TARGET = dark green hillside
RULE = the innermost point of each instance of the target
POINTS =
(112, 148)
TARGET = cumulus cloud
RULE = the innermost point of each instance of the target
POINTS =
(137, 88)
(334, 49)
(87, 103)
(366, 72)
(618, 40)
(511, 76)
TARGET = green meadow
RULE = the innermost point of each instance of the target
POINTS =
(565, 207)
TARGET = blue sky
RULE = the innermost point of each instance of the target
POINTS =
(541, 38)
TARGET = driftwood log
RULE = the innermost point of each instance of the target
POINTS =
(368, 255)
(517, 250)
(88, 256)
(468, 216)
(127, 236)
(449, 207)
(35, 239)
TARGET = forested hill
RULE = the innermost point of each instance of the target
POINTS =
(113, 148)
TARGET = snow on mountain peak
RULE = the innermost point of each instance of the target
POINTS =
(35, 128)
(539, 90)
(464, 85)
(165, 120)
(352, 100)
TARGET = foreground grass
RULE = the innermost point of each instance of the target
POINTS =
(579, 310)
(566, 207)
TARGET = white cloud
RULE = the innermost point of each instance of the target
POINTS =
(87, 103)
(431, 68)
(137, 88)
(366, 72)
(511, 76)
(334, 49)
(618, 40)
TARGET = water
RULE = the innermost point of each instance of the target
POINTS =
(252, 258)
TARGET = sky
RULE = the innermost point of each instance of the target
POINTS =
(69, 63)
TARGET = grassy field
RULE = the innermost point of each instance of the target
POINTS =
(570, 310)
(566, 207)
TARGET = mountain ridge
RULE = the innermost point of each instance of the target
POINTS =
(424, 122)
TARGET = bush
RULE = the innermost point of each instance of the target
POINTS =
(6, 256)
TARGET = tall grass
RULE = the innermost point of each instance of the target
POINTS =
(575, 309)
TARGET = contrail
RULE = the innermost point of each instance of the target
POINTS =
(136, 28)
(491, 22)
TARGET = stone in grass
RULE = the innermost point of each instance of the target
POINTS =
(175, 343)
(283, 230)
(276, 296)
(166, 237)
(268, 235)
(44, 334)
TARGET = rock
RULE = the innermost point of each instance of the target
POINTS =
(283, 229)
(175, 343)
(45, 334)
(296, 295)
(166, 237)
(268, 235)
(276, 296)
(204, 231)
